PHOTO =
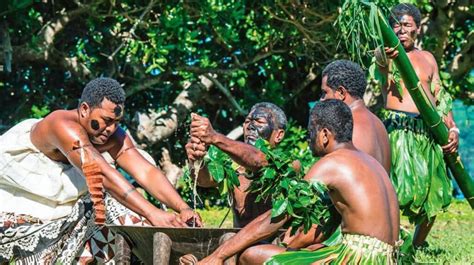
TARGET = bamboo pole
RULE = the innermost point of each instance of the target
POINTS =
(426, 109)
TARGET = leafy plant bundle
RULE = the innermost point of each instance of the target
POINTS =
(221, 168)
(307, 203)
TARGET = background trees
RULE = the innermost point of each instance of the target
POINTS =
(208, 56)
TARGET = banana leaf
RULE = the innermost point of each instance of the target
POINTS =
(427, 111)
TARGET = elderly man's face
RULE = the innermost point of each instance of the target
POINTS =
(258, 124)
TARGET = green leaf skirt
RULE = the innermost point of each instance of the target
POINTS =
(418, 171)
(354, 249)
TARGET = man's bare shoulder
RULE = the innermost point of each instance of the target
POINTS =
(60, 117)
(61, 124)
(330, 168)
(422, 57)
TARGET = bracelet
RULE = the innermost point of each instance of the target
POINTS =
(454, 129)
(125, 194)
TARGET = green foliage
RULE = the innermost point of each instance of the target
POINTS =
(222, 169)
(39, 112)
(306, 202)
(359, 33)
(206, 198)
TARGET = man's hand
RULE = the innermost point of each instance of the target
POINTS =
(453, 142)
(391, 53)
(195, 149)
(164, 219)
(202, 129)
(189, 217)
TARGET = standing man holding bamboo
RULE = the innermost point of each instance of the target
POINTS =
(418, 170)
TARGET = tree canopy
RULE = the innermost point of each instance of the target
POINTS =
(212, 57)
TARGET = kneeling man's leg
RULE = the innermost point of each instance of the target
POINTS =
(259, 254)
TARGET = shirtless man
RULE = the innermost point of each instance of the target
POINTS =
(359, 188)
(49, 191)
(345, 80)
(416, 158)
(265, 120)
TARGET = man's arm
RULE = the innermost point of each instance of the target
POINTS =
(114, 182)
(453, 137)
(260, 228)
(244, 154)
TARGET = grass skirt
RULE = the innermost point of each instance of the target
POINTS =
(354, 249)
(418, 170)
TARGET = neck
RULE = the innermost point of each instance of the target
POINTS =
(355, 104)
(410, 49)
(339, 146)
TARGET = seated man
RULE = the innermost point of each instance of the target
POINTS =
(344, 80)
(265, 120)
(46, 213)
(359, 188)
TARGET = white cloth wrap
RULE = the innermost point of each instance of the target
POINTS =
(33, 184)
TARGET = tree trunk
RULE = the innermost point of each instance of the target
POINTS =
(154, 127)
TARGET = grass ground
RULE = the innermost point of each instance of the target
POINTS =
(451, 240)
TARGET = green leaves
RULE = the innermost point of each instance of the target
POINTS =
(222, 169)
(279, 207)
(307, 203)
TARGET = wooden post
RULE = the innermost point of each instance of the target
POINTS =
(161, 249)
(232, 260)
(122, 251)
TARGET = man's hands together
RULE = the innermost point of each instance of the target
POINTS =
(201, 136)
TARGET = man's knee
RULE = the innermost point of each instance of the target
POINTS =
(259, 254)
(249, 256)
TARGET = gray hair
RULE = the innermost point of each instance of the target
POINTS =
(277, 113)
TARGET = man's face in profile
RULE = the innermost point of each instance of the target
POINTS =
(317, 148)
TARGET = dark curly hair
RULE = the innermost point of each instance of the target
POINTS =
(278, 115)
(96, 90)
(348, 75)
(404, 9)
(333, 115)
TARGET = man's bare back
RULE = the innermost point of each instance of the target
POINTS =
(362, 193)
(370, 135)
(345, 81)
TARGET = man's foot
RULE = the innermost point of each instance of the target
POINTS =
(422, 246)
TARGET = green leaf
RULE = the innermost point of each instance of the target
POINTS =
(216, 170)
(279, 207)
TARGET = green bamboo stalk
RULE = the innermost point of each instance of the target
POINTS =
(427, 110)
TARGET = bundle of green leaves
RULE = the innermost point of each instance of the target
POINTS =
(306, 202)
(221, 168)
